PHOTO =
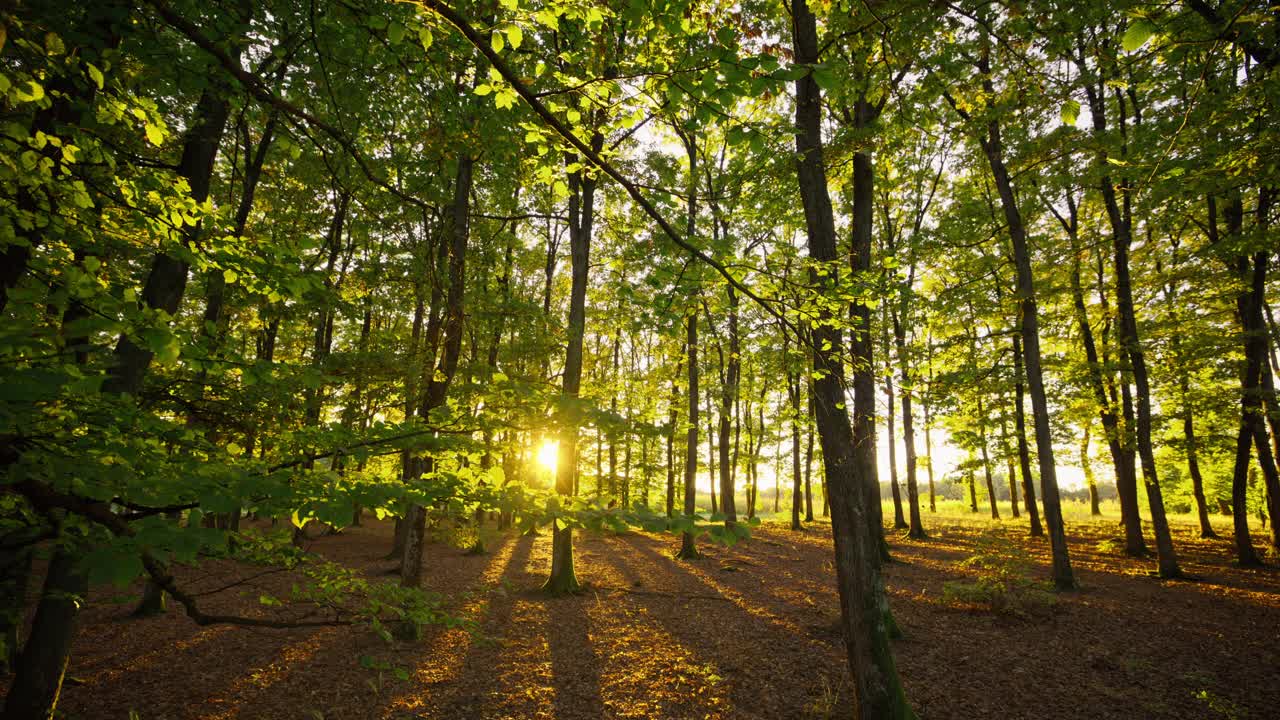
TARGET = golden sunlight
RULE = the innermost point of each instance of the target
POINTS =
(548, 452)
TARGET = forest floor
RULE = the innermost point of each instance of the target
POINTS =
(745, 632)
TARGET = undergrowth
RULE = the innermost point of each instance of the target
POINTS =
(1003, 582)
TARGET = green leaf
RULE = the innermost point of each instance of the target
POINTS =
(825, 78)
(395, 33)
(1070, 112)
(155, 135)
(425, 37)
(515, 36)
(497, 42)
(95, 74)
(1139, 32)
(34, 92)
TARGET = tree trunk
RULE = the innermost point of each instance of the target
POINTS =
(899, 519)
(797, 480)
(688, 550)
(928, 452)
(808, 452)
(1024, 453)
(42, 665)
(673, 418)
(712, 478)
(728, 401)
(1030, 335)
(1122, 461)
(915, 524)
(1010, 468)
(986, 462)
(848, 451)
(1086, 465)
(1252, 274)
(443, 372)
(563, 578)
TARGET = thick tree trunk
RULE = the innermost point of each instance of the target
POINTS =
(15, 577)
(42, 665)
(848, 452)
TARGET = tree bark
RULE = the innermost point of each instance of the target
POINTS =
(442, 375)
(848, 452)
(582, 188)
(728, 401)
(688, 550)
(1024, 453)
(1029, 325)
(1122, 461)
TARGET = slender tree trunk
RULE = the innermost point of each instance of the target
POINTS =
(848, 451)
(1024, 453)
(928, 451)
(986, 462)
(444, 370)
(1122, 461)
(1010, 467)
(808, 453)
(713, 478)
(688, 550)
(1086, 464)
(899, 519)
(915, 524)
(673, 419)
(563, 578)
(797, 479)
(1029, 322)
(728, 401)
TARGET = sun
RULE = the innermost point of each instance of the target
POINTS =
(548, 452)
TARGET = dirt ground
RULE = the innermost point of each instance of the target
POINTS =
(745, 632)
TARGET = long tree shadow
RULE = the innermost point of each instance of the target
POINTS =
(453, 671)
(718, 623)
(575, 665)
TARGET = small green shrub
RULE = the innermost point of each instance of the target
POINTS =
(1219, 705)
(1003, 584)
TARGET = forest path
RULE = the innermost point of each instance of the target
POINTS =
(745, 632)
